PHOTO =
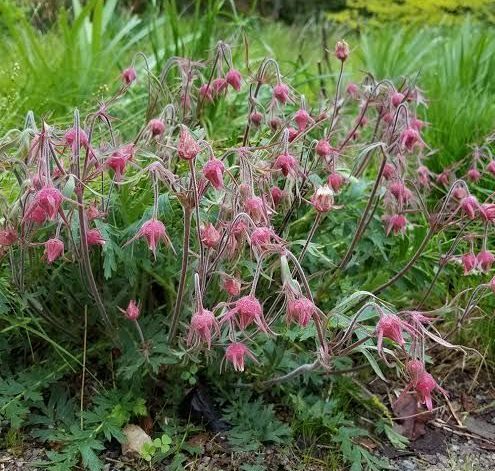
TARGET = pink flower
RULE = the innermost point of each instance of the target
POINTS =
(231, 285)
(424, 386)
(256, 118)
(323, 148)
(396, 99)
(117, 162)
(415, 368)
(94, 237)
(353, 90)
(470, 205)
(417, 124)
(36, 214)
(487, 211)
(54, 248)
(469, 262)
(335, 181)
(491, 167)
(261, 237)
(277, 195)
(400, 192)
(236, 353)
(213, 172)
(423, 176)
(300, 310)
(219, 86)
(391, 327)
(8, 237)
(132, 311)
(473, 174)
(247, 310)
(49, 200)
(341, 50)
(281, 93)
(410, 138)
(396, 223)
(485, 260)
(70, 138)
(156, 127)
(129, 75)
(388, 171)
(302, 119)
(187, 147)
(203, 323)
(275, 123)
(234, 79)
(209, 235)
(93, 212)
(322, 199)
(205, 92)
(153, 231)
(293, 133)
(443, 178)
(254, 207)
(286, 163)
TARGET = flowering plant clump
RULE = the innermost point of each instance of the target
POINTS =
(238, 198)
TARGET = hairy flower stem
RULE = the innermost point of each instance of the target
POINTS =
(409, 264)
(362, 223)
(311, 233)
(336, 99)
(183, 273)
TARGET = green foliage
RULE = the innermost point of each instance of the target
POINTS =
(161, 445)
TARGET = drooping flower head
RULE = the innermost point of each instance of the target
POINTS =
(389, 171)
(485, 260)
(132, 310)
(54, 249)
(491, 167)
(353, 90)
(277, 195)
(474, 175)
(129, 75)
(219, 86)
(213, 172)
(203, 325)
(424, 386)
(469, 262)
(117, 162)
(246, 311)
(341, 50)
(410, 139)
(49, 200)
(70, 138)
(396, 223)
(335, 181)
(286, 163)
(300, 310)
(187, 148)
(236, 354)
(231, 285)
(323, 148)
(8, 237)
(234, 79)
(390, 326)
(396, 99)
(255, 208)
(210, 237)
(156, 127)
(153, 231)
(281, 93)
(469, 205)
(94, 237)
(302, 119)
(205, 92)
(423, 176)
(322, 200)
(256, 118)
(400, 192)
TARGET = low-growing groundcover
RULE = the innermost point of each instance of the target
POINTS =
(235, 277)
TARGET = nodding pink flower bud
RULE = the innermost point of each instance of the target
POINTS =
(256, 118)
(213, 172)
(254, 207)
(391, 326)
(236, 353)
(156, 127)
(415, 369)
(277, 195)
(248, 310)
(470, 205)
(281, 93)
(94, 237)
(286, 163)
(205, 92)
(261, 237)
(219, 86)
(474, 175)
(396, 223)
(400, 192)
(70, 137)
(153, 231)
(388, 171)
(293, 133)
(410, 138)
(388, 117)
(117, 162)
(341, 50)
(491, 167)
(417, 124)
(54, 248)
(36, 214)
(302, 119)
(93, 212)
(275, 123)
(335, 181)
(203, 323)
(423, 176)
(322, 199)
(443, 178)
(353, 90)
(187, 148)
(397, 98)
(469, 262)
(209, 235)
(323, 148)
(8, 237)
(485, 260)
(424, 386)
(234, 79)
(231, 285)
(300, 310)
(131, 311)
(49, 200)
(460, 192)
(129, 75)
(239, 228)
(487, 211)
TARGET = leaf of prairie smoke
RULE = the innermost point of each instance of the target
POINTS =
(70, 185)
(111, 251)
(371, 360)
